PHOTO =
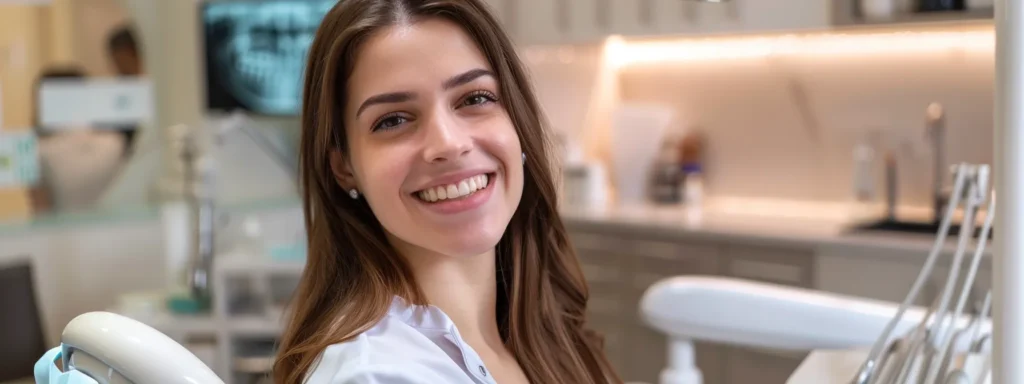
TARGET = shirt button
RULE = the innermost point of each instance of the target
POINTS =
(483, 371)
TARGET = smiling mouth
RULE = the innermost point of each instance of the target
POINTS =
(457, 191)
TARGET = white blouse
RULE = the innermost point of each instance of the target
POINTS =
(412, 344)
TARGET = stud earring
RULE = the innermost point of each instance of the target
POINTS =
(524, 157)
(353, 193)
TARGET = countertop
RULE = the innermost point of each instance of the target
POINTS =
(788, 224)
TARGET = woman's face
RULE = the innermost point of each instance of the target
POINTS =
(431, 148)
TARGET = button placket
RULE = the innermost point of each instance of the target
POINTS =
(470, 359)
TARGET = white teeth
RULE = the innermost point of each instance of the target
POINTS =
(453, 191)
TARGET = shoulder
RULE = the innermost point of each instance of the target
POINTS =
(392, 352)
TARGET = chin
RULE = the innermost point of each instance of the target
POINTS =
(468, 243)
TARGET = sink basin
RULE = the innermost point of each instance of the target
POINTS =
(914, 227)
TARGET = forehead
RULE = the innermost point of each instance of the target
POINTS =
(405, 57)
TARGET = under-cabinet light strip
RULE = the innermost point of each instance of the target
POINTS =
(621, 52)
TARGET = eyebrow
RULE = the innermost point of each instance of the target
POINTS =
(466, 77)
(385, 98)
(400, 97)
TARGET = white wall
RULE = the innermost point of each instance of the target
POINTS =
(762, 143)
(760, 146)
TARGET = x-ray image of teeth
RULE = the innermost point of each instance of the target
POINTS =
(256, 52)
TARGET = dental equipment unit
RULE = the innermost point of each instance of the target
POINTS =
(860, 341)
(938, 344)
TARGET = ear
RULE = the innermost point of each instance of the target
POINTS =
(342, 170)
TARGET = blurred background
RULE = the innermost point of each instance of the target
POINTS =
(148, 157)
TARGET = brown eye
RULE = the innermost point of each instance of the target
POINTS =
(478, 98)
(389, 121)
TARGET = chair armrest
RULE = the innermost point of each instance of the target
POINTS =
(134, 350)
(747, 313)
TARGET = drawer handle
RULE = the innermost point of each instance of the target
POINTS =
(759, 270)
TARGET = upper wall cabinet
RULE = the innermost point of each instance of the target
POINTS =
(578, 21)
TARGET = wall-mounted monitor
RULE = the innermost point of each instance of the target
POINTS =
(256, 53)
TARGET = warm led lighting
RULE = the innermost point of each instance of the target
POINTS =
(623, 53)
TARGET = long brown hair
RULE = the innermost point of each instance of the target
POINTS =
(352, 271)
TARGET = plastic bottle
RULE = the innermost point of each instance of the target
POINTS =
(693, 187)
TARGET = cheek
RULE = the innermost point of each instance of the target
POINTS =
(503, 141)
(381, 179)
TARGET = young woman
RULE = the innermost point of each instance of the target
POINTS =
(436, 252)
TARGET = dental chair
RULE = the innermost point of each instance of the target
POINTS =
(106, 348)
(852, 340)
(839, 329)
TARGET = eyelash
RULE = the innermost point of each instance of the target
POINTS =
(389, 117)
(490, 97)
(378, 125)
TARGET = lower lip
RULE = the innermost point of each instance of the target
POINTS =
(471, 202)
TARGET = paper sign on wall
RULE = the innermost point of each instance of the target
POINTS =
(19, 159)
(1, 108)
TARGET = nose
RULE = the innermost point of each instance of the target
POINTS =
(445, 138)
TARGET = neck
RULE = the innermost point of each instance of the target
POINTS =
(465, 289)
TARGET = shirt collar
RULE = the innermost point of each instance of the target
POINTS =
(427, 317)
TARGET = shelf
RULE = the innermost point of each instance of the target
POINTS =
(253, 326)
(175, 324)
(236, 264)
(947, 17)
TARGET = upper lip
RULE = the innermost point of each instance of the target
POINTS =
(453, 177)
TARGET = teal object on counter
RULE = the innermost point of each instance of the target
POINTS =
(187, 305)
(287, 252)
(46, 372)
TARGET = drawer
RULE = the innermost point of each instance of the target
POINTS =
(615, 351)
(602, 258)
(646, 354)
(935, 284)
(671, 251)
(601, 273)
(599, 305)
(589, 241)
(674, 259)
(745, 366)
(793, 267)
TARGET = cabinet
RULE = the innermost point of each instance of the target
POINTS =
(578, 21)
(620, 265)
(775, 265)
(843, 270)
(653, 260)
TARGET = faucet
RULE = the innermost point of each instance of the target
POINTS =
(199, 195)
(935, 125)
